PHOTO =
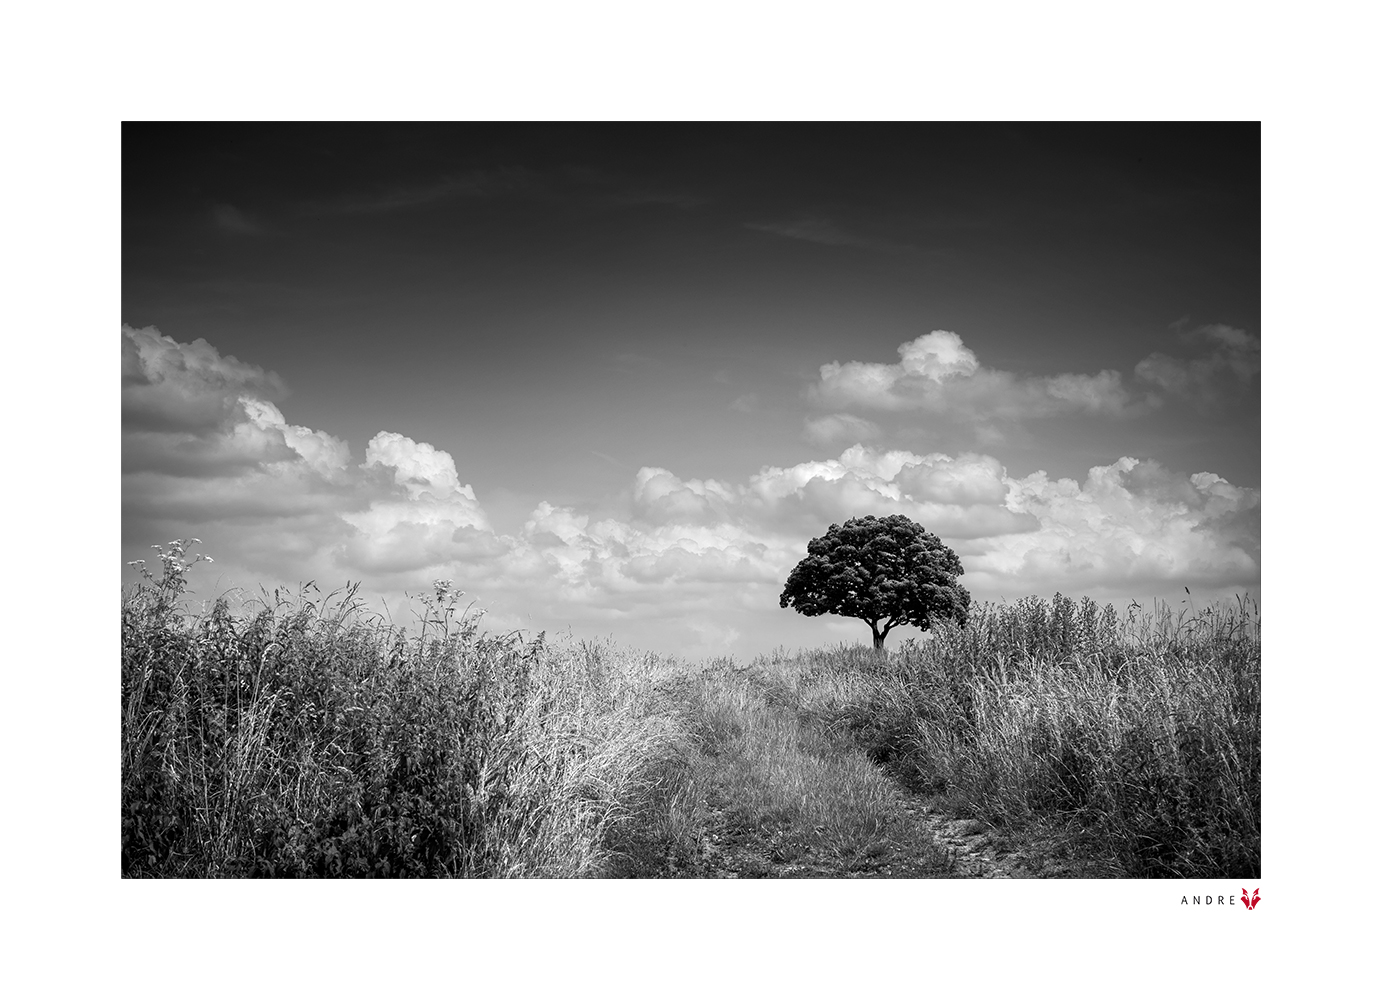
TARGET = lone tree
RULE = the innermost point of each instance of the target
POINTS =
(881, 569)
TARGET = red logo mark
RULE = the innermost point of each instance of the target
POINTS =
(1250, 903)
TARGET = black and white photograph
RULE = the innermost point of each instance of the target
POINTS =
(793, 500)
(666, 500)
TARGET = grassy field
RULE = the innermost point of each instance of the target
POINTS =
(302, 736)
(1139, 739)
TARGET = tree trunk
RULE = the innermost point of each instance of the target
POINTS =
(878, 637)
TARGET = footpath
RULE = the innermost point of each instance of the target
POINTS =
(908, 834)
(925, 843)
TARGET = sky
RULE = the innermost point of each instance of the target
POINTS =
(612, 379)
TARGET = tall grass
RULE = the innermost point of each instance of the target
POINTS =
(780, 781)
(1144, 734)
(301, 735)
(309, 738)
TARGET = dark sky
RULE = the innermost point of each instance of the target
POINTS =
(557, 306)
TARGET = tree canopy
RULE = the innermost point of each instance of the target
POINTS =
(887, 571)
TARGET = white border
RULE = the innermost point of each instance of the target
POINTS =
(80, 72)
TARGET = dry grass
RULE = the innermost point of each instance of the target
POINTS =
(1142, 734)
(302, 736)
(777, 774)
(308, 738)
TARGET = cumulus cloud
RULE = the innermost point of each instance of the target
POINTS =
(326, 455)
(204, 444)
(1129, 527)
(959, 497)
(1235, 359)
(613, 557)
(166, 385)
(659, 497)
(938, 374)
(694, 562)
(190, 413)
(419, 468)
(430, 521)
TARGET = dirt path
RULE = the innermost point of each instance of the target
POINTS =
(780, 797)
(916, 836)
(935, 845)
(972, 850)
(925, 841)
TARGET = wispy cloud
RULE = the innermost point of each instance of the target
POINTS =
(609, 459)
(229, 219)
(684, 200)
(470, 184)
(839, 428)
(633, 363)
(572, 186)
(1234, 360)
(815, 230)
